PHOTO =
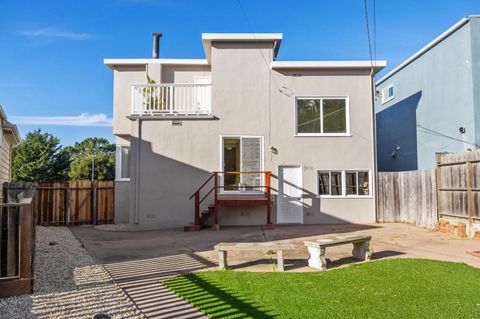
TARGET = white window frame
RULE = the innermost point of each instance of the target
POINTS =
(321, 97)
(385, 97)
(344, 183)
(118, 163)
(262, 160)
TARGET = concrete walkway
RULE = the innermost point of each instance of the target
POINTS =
(139, 261)
(142, 281)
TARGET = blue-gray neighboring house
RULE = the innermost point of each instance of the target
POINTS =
(431, 102)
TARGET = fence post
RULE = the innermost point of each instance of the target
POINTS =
(470, 202)
(438, 181)
(67, 206)
(94, 204)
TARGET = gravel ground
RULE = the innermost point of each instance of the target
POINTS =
(68, 283)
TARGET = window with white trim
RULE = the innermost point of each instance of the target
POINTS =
(321, 116)
(387, 93)
(123, 162)
(242, 154)
(330, 183)
(344, 183)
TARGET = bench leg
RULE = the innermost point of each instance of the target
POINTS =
(280, 264)
(222, 259)
(361, 250)
(317, 258)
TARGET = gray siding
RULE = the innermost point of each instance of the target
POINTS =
(433, 99)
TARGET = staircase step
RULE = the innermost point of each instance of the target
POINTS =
(190, 228)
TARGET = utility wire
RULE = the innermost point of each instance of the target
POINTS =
(368, 32)
(374, 30)
(267, 65)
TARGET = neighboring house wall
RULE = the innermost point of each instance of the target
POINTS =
(433, 98)
(173, 161)
(5, 158)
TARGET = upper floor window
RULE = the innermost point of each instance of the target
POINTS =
(387, 93)
(317, 116)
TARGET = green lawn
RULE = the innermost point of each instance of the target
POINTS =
(395, 288)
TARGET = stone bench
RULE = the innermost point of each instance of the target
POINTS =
(317, 248)
(223, 248)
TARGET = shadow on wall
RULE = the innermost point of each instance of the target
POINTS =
(166, 185)
(397, 135)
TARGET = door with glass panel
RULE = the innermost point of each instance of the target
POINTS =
(243, 155)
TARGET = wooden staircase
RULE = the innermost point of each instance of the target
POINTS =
(256, 199)
(204, 216)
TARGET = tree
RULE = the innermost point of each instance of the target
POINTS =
(96, 150)
(40, 158)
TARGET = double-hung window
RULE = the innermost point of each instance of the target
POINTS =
(343, 183)
(321, 116)
(122, 171)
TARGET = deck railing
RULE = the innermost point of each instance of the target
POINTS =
(206, 189)
(172, 99)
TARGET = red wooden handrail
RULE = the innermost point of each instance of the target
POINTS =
(216, 187)
(198, 190)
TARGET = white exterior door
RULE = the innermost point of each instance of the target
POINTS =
(203, 95)
(289, 200)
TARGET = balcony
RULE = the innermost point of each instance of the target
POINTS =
(169, 99)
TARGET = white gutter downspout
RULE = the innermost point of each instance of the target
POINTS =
(137, 170)
(374, 136)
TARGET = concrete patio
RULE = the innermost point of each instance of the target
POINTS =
(389, 241)
(140, 261)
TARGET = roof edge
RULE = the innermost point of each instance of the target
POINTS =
(12, 128)
(377, 65)
(111, 63)
(426, 48)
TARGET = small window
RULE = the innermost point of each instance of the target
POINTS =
(330, 183)
(387, 93)
(321, 116)
(357, 183)
(123, 163)
(344, 183)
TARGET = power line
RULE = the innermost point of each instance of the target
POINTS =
(368, 31)
(374, 30)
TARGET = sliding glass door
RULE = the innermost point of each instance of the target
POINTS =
(242, 154)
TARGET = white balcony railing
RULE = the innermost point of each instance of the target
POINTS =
(171, 99)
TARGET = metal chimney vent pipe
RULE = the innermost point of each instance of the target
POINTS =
(156, 44)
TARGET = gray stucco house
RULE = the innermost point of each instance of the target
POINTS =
(431, 102)
(240, 138)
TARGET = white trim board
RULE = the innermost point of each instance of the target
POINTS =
(111, 63)
(377, 65)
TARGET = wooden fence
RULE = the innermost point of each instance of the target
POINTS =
(72, 203)
(407, 197)
(17, 238)
(459, 186)
(451, 190)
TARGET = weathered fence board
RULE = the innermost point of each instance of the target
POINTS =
(73, 203)
(459, 185)
(408, 197)
(17, 236)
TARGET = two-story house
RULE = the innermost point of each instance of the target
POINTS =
(240, 138)
(430, 103)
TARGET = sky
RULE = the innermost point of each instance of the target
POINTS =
(51, 51)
